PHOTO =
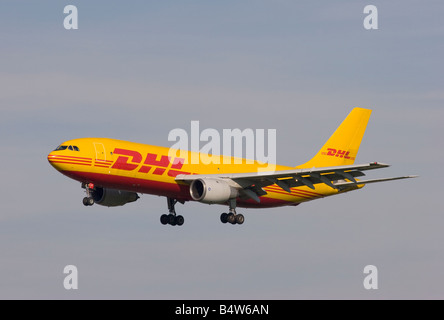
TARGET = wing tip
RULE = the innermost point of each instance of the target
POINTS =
(380, 164)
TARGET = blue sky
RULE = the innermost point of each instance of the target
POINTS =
(135, 72)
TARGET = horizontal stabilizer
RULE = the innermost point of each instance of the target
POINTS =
(347, 184)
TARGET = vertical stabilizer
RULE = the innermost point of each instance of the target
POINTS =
(342, 147)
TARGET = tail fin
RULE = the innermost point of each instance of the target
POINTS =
(342, 147)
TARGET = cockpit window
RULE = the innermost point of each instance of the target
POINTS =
(60, 148)
(72, 148)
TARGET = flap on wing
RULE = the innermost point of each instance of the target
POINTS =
(249, 193)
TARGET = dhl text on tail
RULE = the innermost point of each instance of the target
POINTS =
(113, 172)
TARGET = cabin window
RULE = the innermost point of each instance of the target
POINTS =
(60, 148)
(76, 148)
(70, 148)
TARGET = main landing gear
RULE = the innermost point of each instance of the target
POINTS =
(177, 220)
(232, 217)
(171, 218)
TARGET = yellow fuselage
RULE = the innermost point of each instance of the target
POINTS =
(151, 169)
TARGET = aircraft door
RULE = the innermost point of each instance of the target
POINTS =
(100, 152)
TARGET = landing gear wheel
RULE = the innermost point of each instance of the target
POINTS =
(179, 220)
(224, 217)
(88, 201)
(172, 219)
(164, 219)
(231, 218)
(240, 219)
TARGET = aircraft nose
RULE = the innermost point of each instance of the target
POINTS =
(52, 159)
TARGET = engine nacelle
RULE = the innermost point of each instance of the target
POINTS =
(112, 197)
(212, 191)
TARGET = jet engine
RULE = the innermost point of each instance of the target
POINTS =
(112, 197)
(212, 191)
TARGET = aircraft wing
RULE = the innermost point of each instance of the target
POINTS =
(252, 183)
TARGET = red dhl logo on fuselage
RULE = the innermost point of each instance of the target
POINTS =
(130, 160)
(338, 153)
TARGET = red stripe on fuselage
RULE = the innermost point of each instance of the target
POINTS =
(309, 193)
(294, 192)
(69, 162)
(58, 158)
(69, 157)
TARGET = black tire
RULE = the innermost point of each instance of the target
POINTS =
(164, 219)
(90, 201)
(231, 218)
(172, 219)
(240, 219)
(179, 220)
(85, 201)
(224, 217)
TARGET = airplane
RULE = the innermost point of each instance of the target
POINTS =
(113, 172)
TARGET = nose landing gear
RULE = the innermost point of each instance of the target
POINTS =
(89, 199)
